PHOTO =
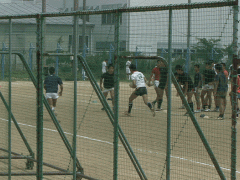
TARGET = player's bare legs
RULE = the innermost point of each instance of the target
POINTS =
(222, 105)
(160, 98)
(112, 96)
(209, 96)
(157, 92)
(105, 95)
(197, 98)
(189, 100)
(145, 100)
(130, 103)
(54, 101)
(204, 102)
(50, 102)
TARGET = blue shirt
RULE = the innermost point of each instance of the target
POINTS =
(52, 83)
(222, 82)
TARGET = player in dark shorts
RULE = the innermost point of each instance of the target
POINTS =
(51, 86)
(139, 83)
(162, 85)
(197, 86)
(107, 83)
(185, 80)
(220, 90)
(208, 86)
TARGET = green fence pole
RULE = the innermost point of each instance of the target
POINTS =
(10, 103)
(116, 95)
(168, 157)
(75, 51)
(39, 99)
(234, 98)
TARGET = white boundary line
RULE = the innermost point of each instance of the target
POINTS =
(106, 142)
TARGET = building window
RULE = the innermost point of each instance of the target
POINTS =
(104, 46)
(123, 46)
(109, 19)
(70, 43)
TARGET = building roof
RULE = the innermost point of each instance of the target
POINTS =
(23, 8)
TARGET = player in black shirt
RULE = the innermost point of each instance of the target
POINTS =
(185, 80)
(208, 86)
(197, 85)
(107, 83)
(51, 86)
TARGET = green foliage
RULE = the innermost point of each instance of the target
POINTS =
(204, 48)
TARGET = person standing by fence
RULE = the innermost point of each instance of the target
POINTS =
(51, 86)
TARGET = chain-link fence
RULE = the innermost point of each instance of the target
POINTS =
(73, 86)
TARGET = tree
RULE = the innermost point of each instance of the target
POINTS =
(207, 49)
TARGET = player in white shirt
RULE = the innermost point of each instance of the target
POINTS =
(128, 72)
(104, 66)
(138, 82)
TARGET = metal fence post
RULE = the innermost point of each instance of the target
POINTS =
(39, 97)
(59, 48)
(116, 94)
(4, 48)
(136, 54)
(84, 55)
(111, 51)
(234, 99)
(75, 66)
(187, 60)
(30, 55)
(10, 103)
(168, 157)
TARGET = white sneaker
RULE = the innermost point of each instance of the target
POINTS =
(197, 111)
(54, 112)
(220, 118)
(207, 110)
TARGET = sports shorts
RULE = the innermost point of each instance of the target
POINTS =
(156, 83)
(52, 95)
(196, 90)
(128, 71)
(107, 90)
(162, 84)
(221, 94)
(141, 91)
(103, 71)
(208, 87)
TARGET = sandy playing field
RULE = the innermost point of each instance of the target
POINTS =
(147, 136)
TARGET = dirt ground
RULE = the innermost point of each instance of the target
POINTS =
(146, 135)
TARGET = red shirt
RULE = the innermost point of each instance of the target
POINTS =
(156, 71)
(238, 84)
